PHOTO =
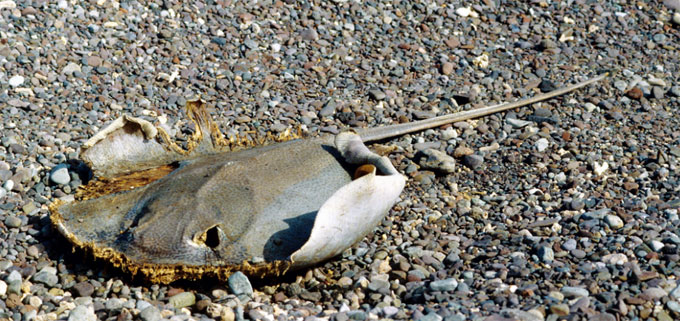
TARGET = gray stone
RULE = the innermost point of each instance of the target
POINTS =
(13, 222)
(240, 285)
(70, 69)
(13, 276)
(473, 161)
(83, 289)
(444, 285)
(653, 294)
(545, 254)
(438, 160)
(390, 311)
(673, 306)
(574, 292)
(377, 94)
(328, 109)
(114, 304)
(613, 221)
(672, 4)
(377, 284)
(150, 313)
(47, 276)
(432, 316)
(60, 176)
(82, 313)
(141, 305)
(517, 123)
(182, 300)
(675, 90)
(621, 85)
(14, 287)
(569, 245)
(675, 293)
(5, 264)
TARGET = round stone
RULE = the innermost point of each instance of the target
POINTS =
(13, 222)
(240, 285)
(613, 221)
(150, 313)
(473, 161)
(444, 285)
(182, 300)
(82, 313)
(60, 175)
(16, 81)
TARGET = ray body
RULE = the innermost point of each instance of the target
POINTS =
(171, 213)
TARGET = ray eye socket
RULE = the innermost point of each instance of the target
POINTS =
(212, 237)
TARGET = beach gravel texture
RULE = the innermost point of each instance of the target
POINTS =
(564, 210)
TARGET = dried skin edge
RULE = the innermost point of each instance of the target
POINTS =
(165, 273)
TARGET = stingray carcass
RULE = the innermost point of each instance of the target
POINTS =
(167, 212)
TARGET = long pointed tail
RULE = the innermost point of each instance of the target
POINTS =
(379, 133)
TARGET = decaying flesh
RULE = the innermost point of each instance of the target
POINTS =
(173, 213)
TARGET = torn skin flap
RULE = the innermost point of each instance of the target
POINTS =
(128, 144)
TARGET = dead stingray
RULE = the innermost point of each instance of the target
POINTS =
(171, 213)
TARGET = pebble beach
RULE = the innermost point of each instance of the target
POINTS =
(567, 209)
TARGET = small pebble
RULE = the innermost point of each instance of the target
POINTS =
(574, 292)
(473, 161)
(240, 285)
(16, 81)
(182, 300)
(47, 276)
(82, 313)
(150, 313)
(542, 144)
(614, 221)
(13, 222)
(444, 285)
(438, 161)
(60, 176)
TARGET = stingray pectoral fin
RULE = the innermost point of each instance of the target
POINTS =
(347, 216)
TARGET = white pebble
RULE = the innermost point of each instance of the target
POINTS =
(9, 184)
(482, 61)
(614, 221)
(276, 47)
(7, 4)
(656, 81)
(542, 144)
(16, 81)
(70, 69)
(656, 245)
(615, 258)
(60, 176)
(590, 107)
(600, 169)
(3, 288)
(62, 4)
(463, 12)
(676, 18)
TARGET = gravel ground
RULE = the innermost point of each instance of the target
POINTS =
(566, 210)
